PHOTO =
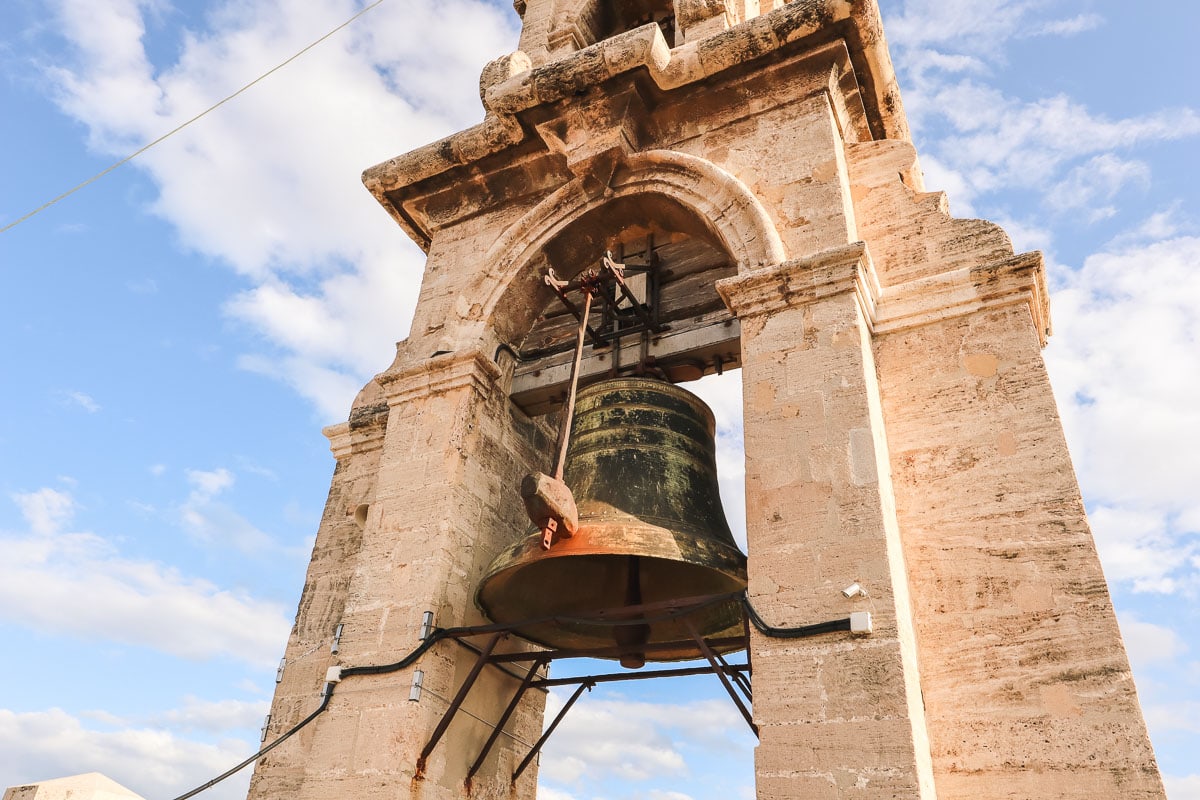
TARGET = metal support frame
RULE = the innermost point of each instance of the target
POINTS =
(537, 660)
(537, 747)
(718, 665)
(734, 677)
(472, 676)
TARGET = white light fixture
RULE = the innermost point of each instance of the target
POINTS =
(854, 590)
(426, 625)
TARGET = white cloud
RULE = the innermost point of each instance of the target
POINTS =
(969, 25)
(550, 793)
(638, 741)
(209, 483)
(212, 716)
(82, 400)
(1126, 367)
(151, 761)
(46, 510)
(83, 587)
(1185, 787)
(1070, 26)
(1148, 643)
(1180, 715)
(1099, 180)
(1168, 223)
(723, 394)
(269, 183)
(215, 523)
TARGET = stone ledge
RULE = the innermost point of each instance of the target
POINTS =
(644, 48)
(441, 373)
(958, 293)
(346, 441)
(1019, 280)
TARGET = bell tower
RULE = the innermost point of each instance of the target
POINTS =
(748, 167)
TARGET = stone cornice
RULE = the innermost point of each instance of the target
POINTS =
(802, 281)
(1020, 280)
(644, 49)
(442, 373)
(345, 440)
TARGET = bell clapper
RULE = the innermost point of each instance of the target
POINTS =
(554, 525)
(632, 636)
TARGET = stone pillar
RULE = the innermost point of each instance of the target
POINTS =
(1027, 687)
(444, 502)
(356, 445)
(839, 716)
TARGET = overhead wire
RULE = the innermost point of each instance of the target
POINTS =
(185, 124)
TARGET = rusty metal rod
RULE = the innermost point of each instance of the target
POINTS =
(737, 676)
(617, 677)
(496, 731)
(564, 434)
(549, 730)
(712, 659)
(472, 676)
(638, 308)
(730, 643)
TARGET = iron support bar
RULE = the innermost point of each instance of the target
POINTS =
(712, 659)
(639, 308)
(738, 677)
(472, 676)
(491, 662)
(512, 706)
(730, 643)
(615, 677)
(549, 730)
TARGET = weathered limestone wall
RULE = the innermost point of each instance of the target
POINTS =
(839, 716)
(437, 515)
(1025, 680)
(1026, 683)
(336, 552)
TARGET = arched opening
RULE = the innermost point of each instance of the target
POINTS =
(677, 737)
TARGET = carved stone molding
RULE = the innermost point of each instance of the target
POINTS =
(346, 441)
(441, 373)
(1020, 280)
(802, 281)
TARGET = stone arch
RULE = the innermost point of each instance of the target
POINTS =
(725, 204)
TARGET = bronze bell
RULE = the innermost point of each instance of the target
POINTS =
(642, 466)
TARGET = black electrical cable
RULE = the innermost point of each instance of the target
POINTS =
(434, 637)
(438, 634)
(792, 633)
(265, 750)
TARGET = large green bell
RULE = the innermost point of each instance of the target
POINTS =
(642, 466)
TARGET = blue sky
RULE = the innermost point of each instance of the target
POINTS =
(175, 335)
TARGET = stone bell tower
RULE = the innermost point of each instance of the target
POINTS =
(900, 430)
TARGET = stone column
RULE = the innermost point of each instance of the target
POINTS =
(445, 501)
(840, 716)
